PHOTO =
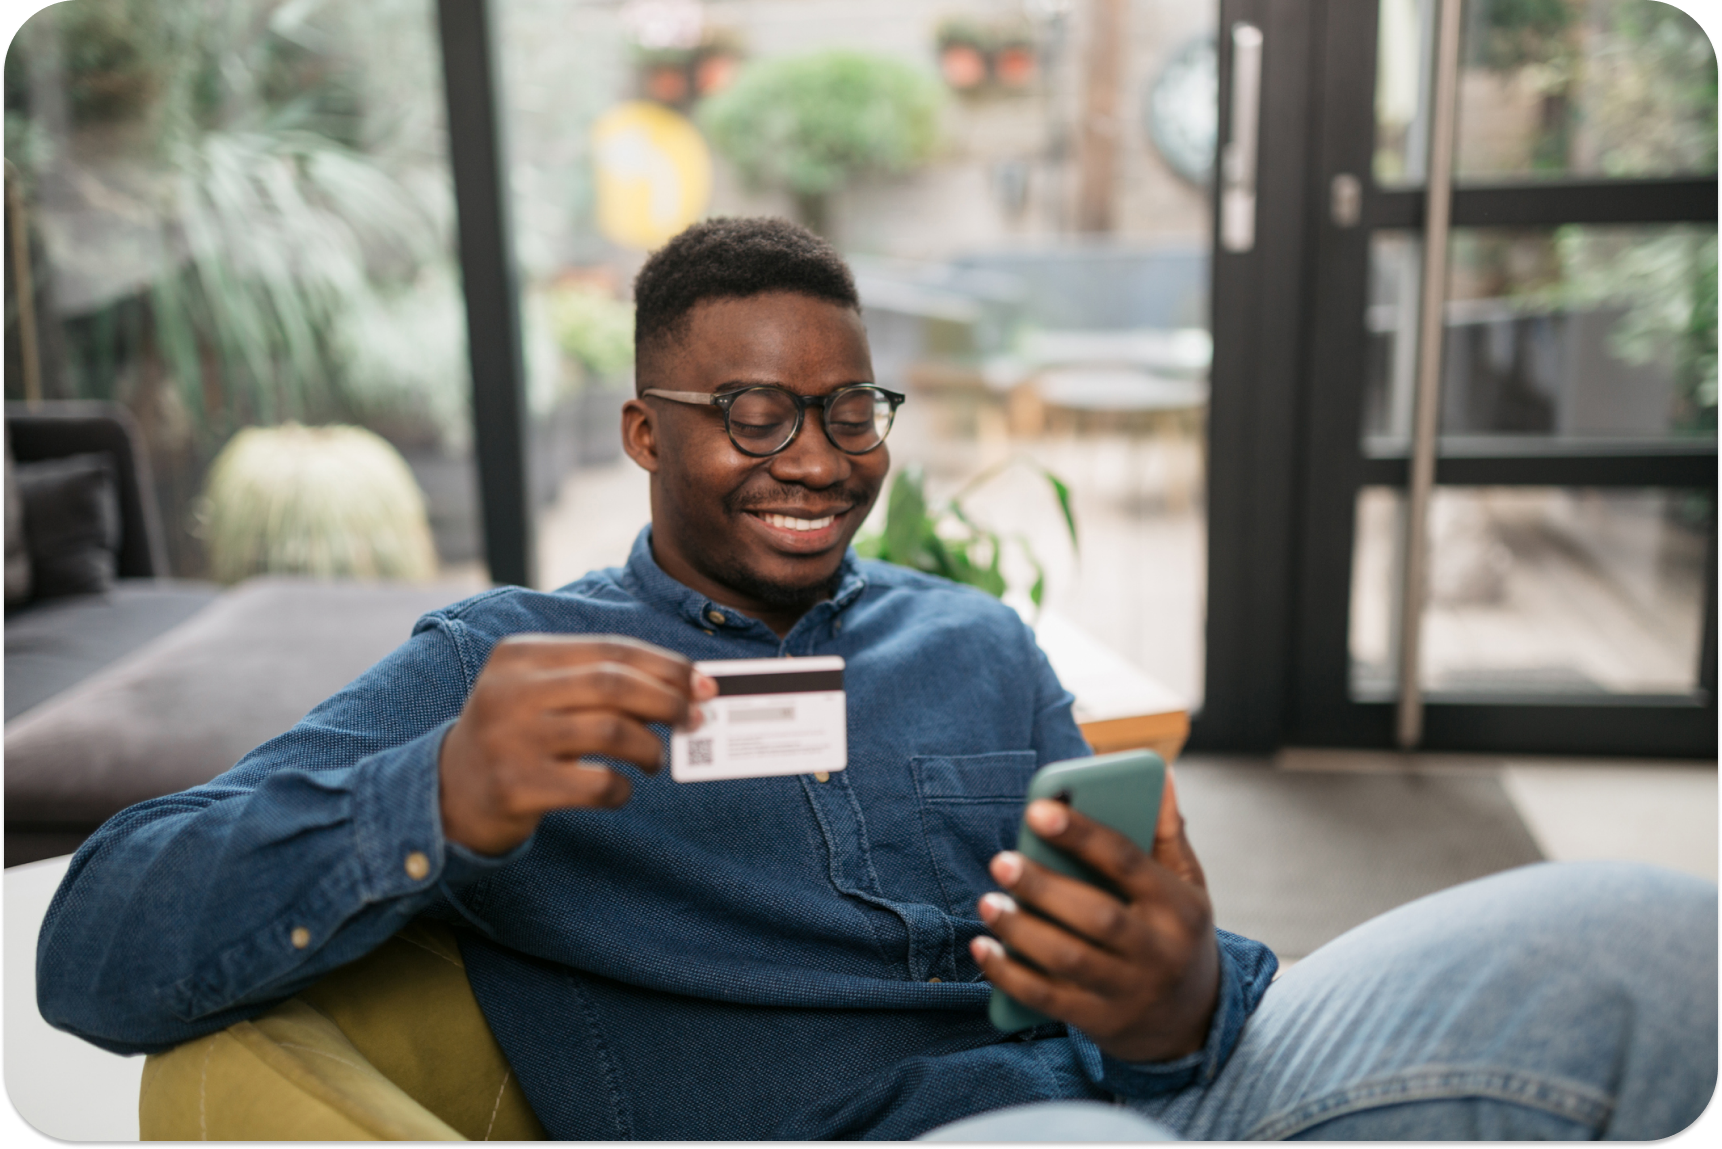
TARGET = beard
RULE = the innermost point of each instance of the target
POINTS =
(728, 571)
(776, 595)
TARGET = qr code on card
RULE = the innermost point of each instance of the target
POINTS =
(699, 752)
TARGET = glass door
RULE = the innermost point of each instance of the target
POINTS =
(1570, 581)
(1022, 191)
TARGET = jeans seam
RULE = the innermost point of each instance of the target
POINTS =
(1566, 1099)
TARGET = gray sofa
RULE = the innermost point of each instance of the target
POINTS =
(153, 685)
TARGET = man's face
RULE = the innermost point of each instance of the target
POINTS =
(763, 535)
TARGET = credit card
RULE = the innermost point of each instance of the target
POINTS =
(771, 716)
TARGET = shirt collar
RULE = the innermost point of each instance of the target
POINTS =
(646, 580)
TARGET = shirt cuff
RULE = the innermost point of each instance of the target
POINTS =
(1246, 968)
(397, 798)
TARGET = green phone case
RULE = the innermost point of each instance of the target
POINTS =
(1121, 790)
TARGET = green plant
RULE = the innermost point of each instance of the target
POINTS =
(269, 210)
(1662, 284)
(966, 31)
(594, 328)
(323, 501)
(809, 124)
(277, 227)
(947, 541)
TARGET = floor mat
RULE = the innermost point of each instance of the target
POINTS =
(1295, 859)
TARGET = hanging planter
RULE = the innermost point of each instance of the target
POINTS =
(1016, 66)
(981, 58)
(963, 55)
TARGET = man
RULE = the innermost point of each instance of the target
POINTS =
(808, 956)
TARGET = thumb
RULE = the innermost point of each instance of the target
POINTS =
(1171, 847)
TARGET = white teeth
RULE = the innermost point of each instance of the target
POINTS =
(784, 522)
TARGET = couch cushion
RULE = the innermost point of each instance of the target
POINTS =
(188, 705)
(71, 523)
(17, 553)
(55, 644)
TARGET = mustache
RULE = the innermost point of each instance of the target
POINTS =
(787, 496)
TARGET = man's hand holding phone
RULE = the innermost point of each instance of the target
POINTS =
(1140, 976)
(541, 704)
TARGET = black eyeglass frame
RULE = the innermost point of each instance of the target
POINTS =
(724, 400)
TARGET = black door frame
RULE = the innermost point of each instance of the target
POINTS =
(478, 166)
(1285, 428)
(1259, 322)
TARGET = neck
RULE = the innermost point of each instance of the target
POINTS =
(779, 617)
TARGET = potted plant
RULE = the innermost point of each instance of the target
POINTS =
(334, 502)
(1015, 62)
(947, 541)
(963, 50)
(809, 124)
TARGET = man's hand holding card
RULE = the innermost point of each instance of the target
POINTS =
(544, 703)
(771, 716)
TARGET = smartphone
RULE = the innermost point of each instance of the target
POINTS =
(1118, 790)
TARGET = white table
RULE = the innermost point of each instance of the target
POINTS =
(1118, 706)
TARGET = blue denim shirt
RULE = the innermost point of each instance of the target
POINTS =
(774, 957)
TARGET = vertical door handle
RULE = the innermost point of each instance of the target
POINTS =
(1426, 411)
(1345, 200)
(1238, 160)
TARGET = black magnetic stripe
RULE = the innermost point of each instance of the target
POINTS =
(792, 682)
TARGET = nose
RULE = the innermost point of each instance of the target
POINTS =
(811, 460)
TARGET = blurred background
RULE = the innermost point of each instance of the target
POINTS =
(318, 316)
(233, 214)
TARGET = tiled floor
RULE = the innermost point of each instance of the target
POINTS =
(1578, 808)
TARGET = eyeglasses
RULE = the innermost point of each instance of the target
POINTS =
(764, 419)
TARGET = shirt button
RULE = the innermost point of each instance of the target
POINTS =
(418, 866)
(822, 776)
(934, 980)
(710, 631)
(716, 616)
(837, 626)
(301, 937)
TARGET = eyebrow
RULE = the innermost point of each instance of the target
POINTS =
(742, 384)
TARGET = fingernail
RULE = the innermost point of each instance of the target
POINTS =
(985, 948)
(1046, 817)
(995, 905)
(705, 686)
(1007, 867)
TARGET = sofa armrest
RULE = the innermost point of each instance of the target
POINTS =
(392, 1046)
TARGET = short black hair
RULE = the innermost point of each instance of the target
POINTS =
(733, 257)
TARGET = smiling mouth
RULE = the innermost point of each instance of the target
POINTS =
(793, 522)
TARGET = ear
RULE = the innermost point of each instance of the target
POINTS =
(640, 434)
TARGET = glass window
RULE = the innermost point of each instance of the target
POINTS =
(1552, 89)
(1015, 336)
(1537, 591)
(241, 216)
(1574, 331)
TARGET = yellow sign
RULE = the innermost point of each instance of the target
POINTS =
(654, 174)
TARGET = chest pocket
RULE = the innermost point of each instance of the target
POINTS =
(971, 805)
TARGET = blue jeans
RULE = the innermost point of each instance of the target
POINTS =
(1565, 1001)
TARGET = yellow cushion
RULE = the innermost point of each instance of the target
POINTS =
(392, 1047)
